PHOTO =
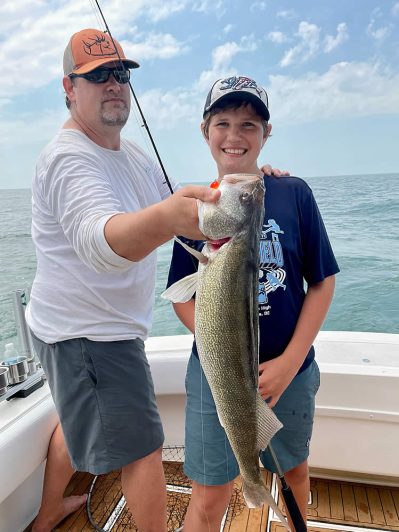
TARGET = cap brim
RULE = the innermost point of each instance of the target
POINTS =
(242, 96)
(128, 63)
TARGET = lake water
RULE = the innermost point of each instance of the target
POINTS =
(361, 214)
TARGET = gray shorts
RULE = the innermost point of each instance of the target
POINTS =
(209, 459)
(104, 396)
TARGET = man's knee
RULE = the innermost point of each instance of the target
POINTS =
(152, 459)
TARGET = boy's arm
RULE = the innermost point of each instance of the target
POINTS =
(185, 313)
(281, 370)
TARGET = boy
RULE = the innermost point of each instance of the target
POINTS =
(294, 247)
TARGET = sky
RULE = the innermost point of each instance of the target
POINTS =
(330, 67)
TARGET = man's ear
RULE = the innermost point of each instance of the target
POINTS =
(69, 88)
(202, 126)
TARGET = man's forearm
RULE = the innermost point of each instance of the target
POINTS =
(135, 235)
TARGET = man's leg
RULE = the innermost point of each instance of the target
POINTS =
(144, 488)
(208, 504)
(298, 480)
(54, 507)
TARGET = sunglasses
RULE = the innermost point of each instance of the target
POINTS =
(101, 75)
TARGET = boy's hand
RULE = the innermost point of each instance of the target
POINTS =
(268, 170)
(274, 377)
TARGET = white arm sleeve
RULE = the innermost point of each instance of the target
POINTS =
(81, 199)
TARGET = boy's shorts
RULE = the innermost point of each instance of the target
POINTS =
(104, 396)
(209, 459)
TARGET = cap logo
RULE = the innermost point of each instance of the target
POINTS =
(239, 83)
(99, 46)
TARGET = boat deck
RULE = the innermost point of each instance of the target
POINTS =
(333, 505)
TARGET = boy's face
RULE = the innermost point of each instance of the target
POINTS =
(236, 137)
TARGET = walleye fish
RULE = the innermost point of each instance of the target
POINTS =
(226, 322)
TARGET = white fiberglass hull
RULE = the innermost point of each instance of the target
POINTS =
(356, 426)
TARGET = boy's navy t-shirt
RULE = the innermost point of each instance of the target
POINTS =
(294, 248)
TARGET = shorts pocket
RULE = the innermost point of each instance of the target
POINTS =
(89, 364)
(316, 376)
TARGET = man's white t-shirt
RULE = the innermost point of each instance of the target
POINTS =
(82, 288)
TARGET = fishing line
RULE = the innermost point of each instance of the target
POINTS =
(142, 117)
(100, 24)
(203, 449)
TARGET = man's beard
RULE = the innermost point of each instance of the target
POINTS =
(115, 117)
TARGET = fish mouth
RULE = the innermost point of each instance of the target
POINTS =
(215, 245)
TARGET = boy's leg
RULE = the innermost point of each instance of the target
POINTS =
(209, 460)
(298, 480)
(295, 409)
(143, 485)
(54, 507)
(208, 504)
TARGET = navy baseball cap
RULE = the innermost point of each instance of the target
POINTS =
(238, 88)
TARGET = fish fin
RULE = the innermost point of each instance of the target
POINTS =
(268, 423)
(183, 290)
(256, 495)
(203, 259)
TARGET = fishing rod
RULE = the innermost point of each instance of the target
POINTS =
(289, 499)
(136, 100)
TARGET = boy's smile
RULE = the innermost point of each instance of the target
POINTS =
(236, 137)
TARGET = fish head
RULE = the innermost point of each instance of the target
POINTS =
(239, 207)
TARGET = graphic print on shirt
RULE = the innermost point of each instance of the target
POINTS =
(271, 273)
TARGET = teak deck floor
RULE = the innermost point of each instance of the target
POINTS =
(333, 505)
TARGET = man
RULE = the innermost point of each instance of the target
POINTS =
(100, 209)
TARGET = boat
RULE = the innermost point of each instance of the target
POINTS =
(355, 439)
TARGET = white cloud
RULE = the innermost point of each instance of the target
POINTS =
(379, 33)
(331, 42)
(309, 37)
(209, 6)
(164, 110)
(222, 57)
(37, 52)
(228, 28)
(344, 90)
(258, 6)
(167, 109)
(310, 42)
(159, 10)
(13, 14)
(276, 37)
(395, 9)
(155, 45)
(31, 127)
(288, 14)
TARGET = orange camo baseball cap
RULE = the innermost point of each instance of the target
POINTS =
(88, 49)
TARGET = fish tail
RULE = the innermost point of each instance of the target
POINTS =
(256, 495)
(268, 423)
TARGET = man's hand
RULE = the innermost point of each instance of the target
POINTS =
(182, 209)
(133, 235)
(268, 170)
